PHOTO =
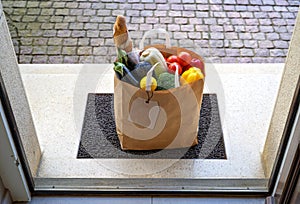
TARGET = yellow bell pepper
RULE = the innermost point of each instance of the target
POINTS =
(191, 75)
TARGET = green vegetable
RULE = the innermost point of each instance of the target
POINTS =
(122, 56)
(165, 81)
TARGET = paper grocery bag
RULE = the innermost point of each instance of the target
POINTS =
(157, 120)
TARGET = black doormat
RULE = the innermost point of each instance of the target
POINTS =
(99, 138)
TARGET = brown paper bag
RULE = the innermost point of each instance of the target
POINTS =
(169, 120)
(165, 120)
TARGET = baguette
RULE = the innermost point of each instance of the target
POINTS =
(121, 36)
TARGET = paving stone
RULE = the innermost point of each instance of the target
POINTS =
(279, 22)
(39, 59)
(29, 18)
(262, 52)
(64, 26)
(25, 59)
(258, 36)
(84, 19)
(71, 5)
(210, 21)
(287, 15)
(49, 33)
(202, 28)
(245, 36)
(173, 27)
(83, 41)
(100, 50)
(54, 50)
(70, 59)
(62, 12)
(201, 43)
(25, 50)
(216, 43)
(266, 29)
(253, 8)
(39, 50)
(260, 60)
(64, 33)
(217, 35)
(244, 60)
(188, 43)
(237, 43)
(229, 60)
(201, 14)
(67, 50)
(246, 52)
(59, 4)
(266, 44)
(187, 27)
(32, 4)
(179, 35)
(251, 29)
(229, 8)
(256, 2)
(232, 52)
(70, 41)
(233, 14)
(92, 33)
(219, 14)
(252, 21)
(78, 33)
(272, 36)
(33, 11)
(281, 44)
(274, 15)
(180, 20)
(85, 59)
(202, 7)
(216, 28)
(55, 59)
(228, 28)
(231, 36)
(277, 53)
(280, 29)
(76, 26)
(285, 36)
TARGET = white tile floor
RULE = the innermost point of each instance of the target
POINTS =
(57, 96)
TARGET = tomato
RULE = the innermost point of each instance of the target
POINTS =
(197, 63)
(186, 67)
(184, 58)
(172, 58)
(172, 68)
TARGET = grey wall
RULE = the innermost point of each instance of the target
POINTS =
(4, 194)
(11, 79)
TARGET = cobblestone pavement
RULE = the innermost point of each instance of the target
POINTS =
(228, 31)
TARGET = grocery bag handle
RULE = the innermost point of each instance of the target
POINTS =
(150, 73)
(155, 31)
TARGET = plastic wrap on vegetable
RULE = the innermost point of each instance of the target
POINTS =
(125, 74)
(153, 56)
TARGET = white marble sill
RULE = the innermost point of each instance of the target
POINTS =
(57, 96)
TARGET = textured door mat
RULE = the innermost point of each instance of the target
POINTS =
(99, 138)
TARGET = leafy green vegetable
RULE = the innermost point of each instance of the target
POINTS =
(165, 81)
(119, 68)
(122, 56)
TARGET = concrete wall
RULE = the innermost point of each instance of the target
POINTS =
(4, 194)
(11, 79)
(284, 101)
